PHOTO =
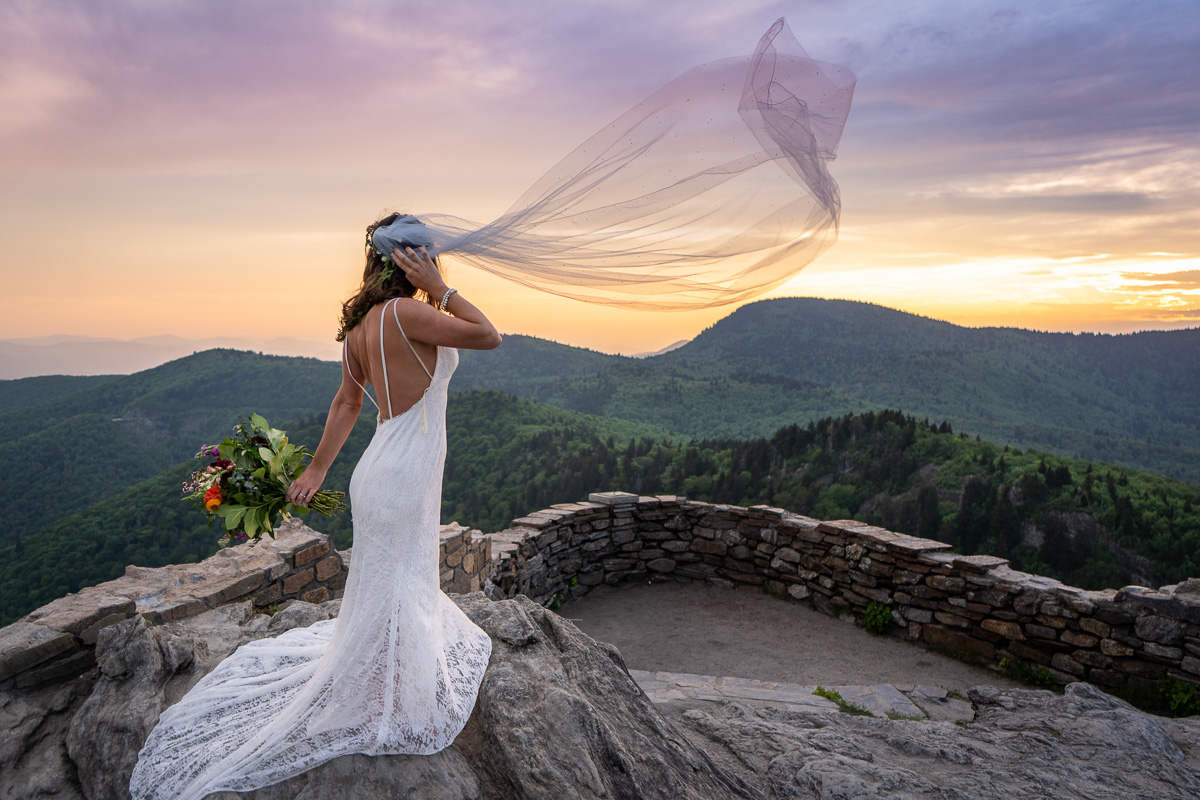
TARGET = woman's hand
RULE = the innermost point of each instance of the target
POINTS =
(420, 270)
(303, 488)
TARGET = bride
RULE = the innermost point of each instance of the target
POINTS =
(698, 196)
(399, 669)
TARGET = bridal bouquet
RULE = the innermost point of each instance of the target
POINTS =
(246, 485)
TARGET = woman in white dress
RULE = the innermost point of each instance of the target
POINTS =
(399, 669)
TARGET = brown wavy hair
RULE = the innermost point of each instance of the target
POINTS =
(382, 280)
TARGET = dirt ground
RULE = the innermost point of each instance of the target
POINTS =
(708, 629)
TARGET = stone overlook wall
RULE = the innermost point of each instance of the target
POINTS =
(56, 642)
(972, 607)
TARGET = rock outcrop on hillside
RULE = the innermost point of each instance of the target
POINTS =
(557, 716)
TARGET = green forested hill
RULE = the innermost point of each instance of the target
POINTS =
(26, 392)
(82, 446)
(1131, 399)
(68, 443)
(1090, 525)
(526, 361)
(700, 400)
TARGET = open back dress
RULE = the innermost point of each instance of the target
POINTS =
(399, 669)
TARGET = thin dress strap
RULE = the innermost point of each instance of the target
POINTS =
(350, 372)
(383, 359)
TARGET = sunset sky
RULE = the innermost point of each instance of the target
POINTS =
(206, 167)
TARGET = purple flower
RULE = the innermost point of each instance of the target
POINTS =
(214, 451)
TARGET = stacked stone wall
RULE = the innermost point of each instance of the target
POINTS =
(56, 641)
(971, 607)
(464, 556)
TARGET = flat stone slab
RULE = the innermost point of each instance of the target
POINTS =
(27, 644)
(880, 700)
(614, 498)
(77, 612)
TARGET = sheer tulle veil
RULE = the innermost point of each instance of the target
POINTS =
(711, 191)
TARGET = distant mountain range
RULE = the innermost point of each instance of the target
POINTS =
(1131, 400)
(72, 446)
(86, 355)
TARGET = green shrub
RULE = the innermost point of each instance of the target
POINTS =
(878, 618)
(1180, 696)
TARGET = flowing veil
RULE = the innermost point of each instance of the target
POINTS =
(711, 191)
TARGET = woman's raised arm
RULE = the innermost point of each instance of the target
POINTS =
(467, 327)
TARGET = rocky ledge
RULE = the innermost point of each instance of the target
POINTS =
(560, 716)
(557, 716)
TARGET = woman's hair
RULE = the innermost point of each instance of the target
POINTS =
(382, 280)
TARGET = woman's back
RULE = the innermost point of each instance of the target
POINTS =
(408, 363)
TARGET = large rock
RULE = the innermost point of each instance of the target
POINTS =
(1022, 743)
(144, 669)
(557, 716)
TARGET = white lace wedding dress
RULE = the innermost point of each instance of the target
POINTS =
(398, 670)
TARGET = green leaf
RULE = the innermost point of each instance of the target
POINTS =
(257, 421)
(233, 517)
(251, 522)
(263, 518)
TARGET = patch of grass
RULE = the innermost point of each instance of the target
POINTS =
(846, 706)
(909, 718)
(957, 695)
(556, 602)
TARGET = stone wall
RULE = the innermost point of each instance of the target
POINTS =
(972, 607)
(56, 641)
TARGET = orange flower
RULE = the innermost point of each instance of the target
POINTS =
(212, 499)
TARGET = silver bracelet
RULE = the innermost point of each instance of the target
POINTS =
(445, 299)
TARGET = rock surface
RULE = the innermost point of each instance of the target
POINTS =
(560, 716)
(1022, 743)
